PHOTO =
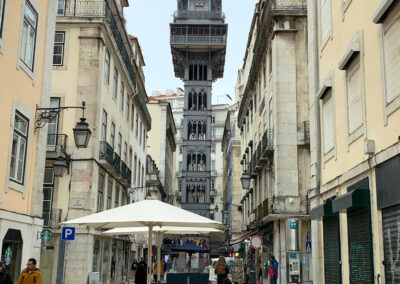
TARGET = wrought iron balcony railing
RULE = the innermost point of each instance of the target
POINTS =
(81, 8)
(199, 15)
(56, 143)
(198, 39)
(106, 152)
(117, 162)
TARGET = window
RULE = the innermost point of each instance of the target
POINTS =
(144, 138)
(271, 117)
(270, 61)
(107, 68)
(125, 152)
(130, 158)
(213, 119)
(104, 127)
(115, 90)
(52, 129)
(213, 165)
(58, 53)
(328, 122)
(143, 176)
(132, 116)
(116, 200)
(139, 181)
(140, 138)
(61, 8)
(112, 138)
(127, 108)
(119, 144)
(180, 149)
(354, 90)
(212, 148)
(137, 125)
(100, 194)
(265, 75)
(180, 165)
(18, 148)
(212, 184)
(121, 106)
(265, 121)
(180, 184)
(109, 193)
(325, 20)
(47, 196)
(2, 8)
(391, 55)
(135, 170)
(28, 40)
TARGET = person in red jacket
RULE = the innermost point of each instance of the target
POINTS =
(273, 270)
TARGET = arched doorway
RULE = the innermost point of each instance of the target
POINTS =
(11, 252)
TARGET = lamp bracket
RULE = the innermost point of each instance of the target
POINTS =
(44, 115)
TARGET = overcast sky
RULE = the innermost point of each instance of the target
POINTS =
(149, 21)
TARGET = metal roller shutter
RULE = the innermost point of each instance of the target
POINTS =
(332, 250)
(391, 234)
(360, 246)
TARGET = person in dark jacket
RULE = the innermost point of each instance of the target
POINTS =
(5, 277)
(221, 269)
(134, 266)
(273, 270)
(141, 273)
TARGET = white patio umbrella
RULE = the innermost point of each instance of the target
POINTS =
(146, 213)
(161, 230)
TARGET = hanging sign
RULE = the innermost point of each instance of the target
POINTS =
(256, 242)
(46, 235)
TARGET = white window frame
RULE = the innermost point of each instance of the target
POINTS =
(18, 160)
(107, 67)
(104, 126)
(112, 135)
(31, 26)
(115, 84)
(125, 152)
(386, 15)
(59, 44)
(2, 13)
(63, 7)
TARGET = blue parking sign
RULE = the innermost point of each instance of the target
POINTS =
(68, 233)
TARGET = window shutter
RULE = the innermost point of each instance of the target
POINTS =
(354, 106)
(326, 18)
(328, 126)
(392, 61)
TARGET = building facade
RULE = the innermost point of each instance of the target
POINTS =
(162, 146)
(26, 37)
(198, 43)
(273, 120)
(354, 95)
(232, 170)
(91, 63)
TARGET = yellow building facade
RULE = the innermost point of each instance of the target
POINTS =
(354, 97)
(26, 36)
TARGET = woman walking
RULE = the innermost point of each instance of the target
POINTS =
(273, 270)
(221, 269)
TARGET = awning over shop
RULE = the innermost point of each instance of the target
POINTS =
(243, 237)
(357, 198)
(323, 210)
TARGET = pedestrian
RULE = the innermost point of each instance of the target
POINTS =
(155, 268)
(31, 274)
(221, 269)
(143, 262)
(246, 277)
(141, 273)
(5, 277)
(227, 281)
(273, 270)
(134, 266)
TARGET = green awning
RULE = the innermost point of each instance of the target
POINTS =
(357, 198)
(323, 210)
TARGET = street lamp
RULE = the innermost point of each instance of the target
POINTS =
(59, 166)
(245, 179)
(82, 132)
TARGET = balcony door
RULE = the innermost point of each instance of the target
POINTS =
(53, 127)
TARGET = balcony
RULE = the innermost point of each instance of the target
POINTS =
(53, 218)
(106, 155)
(267, 144)
(200, 40)
(56, 143)
(199, 15)
(117, 163)
(262, 210)
(81, 8)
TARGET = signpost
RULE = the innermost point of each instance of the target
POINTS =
(68, 233)
(256, 242)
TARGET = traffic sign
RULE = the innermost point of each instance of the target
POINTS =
(46, 235)
(68, 234)
(256, 242)
(293, 225)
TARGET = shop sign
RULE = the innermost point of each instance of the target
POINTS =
(46, 235)
(293, 225)
(256, 242)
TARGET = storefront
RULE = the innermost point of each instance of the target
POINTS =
(387, 183)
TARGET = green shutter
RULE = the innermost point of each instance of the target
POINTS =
(332, 250)
(391, 243)
(360, 246)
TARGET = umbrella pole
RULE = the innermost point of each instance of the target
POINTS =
(158, 256)
(149, 251)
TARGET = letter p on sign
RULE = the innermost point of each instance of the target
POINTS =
(68, 233)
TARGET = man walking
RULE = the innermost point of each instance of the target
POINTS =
(273, 270)
(31, 274)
